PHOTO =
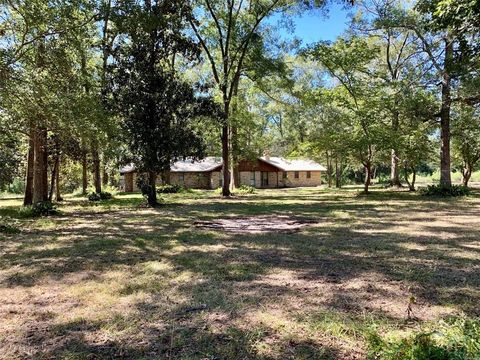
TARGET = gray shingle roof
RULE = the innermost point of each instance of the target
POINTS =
(294, 164)
(212, 163)
(208, 164)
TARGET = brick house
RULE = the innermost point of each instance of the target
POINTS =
(277, 172)
(264, 172)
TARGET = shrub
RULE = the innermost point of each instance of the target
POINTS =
(93, 196)
(8, 225)
(17, 186)
(445, 191)
(45, 208)
(169, 189)
(455, 338)
(245, 189)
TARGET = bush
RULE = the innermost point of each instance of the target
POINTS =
(45, 208)
(455, 338)
(8, 225)
(445, 191)
(93, 196)
(169, 189)
(17, 186)
(245, 189)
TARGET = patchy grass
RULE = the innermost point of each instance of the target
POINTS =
(115, 280)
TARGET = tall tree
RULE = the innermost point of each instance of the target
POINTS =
(156, 106)
(359, 94)
(466, 140)
(227, 31)
(449, 50)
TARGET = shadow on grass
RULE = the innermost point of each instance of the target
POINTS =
(352, 241)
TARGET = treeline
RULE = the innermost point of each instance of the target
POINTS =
(399, 87)
(87, 85)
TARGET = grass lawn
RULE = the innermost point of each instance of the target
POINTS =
(118, 280)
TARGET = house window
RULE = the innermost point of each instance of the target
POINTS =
(181, 177)
(297, 175)
(252, 178)
(284, 174)
(309, 174)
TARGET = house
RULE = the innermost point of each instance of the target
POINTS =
(276, 172)
(200, 174)
(264, 172)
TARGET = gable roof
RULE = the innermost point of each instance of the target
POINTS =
(208, 164)
(212, 163)
(293, 165)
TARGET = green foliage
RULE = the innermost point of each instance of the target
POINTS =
(17, 186)
(10, 158)
(170, 189)
(245, 189)
(45, 208)
(155, 105)
(456, 338)
(93, 196)
(8, 225)
(445, 191)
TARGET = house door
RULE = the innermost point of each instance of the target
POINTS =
(252, 178)
(264, 179)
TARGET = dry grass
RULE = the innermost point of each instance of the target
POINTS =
(114, 280)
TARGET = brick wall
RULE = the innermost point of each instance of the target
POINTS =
(315, 179)
(215, 179)
(192, 180)
(290, 181)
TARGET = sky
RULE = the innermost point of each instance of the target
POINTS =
(315, 26)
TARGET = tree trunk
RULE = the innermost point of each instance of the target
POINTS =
(414, 178)
(226, 172)
(234, 141)
(84, 173)
(96, 170)
(368, 177)
(329, 169)
(28, 198)
(394, 173)
(104, 177)
(40, 172)
(338, 174)
(445, 177)
(466, 174)
(411, 185)
(53, 178)
(235, 161)
(58, 196)
(152, 194)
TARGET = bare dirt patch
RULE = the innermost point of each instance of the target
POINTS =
(279, 224)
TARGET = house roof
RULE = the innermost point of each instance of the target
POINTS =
(208, 164)
(212, 163)
(127, 169)
(293, 165)
(188, 165)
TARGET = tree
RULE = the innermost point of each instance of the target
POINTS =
(10, 158)
(466, 140)
(397, 65)
(157, 107)
(416, 131)
(360, 96)
(42, 79)
(449, 51)
(227, 31)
